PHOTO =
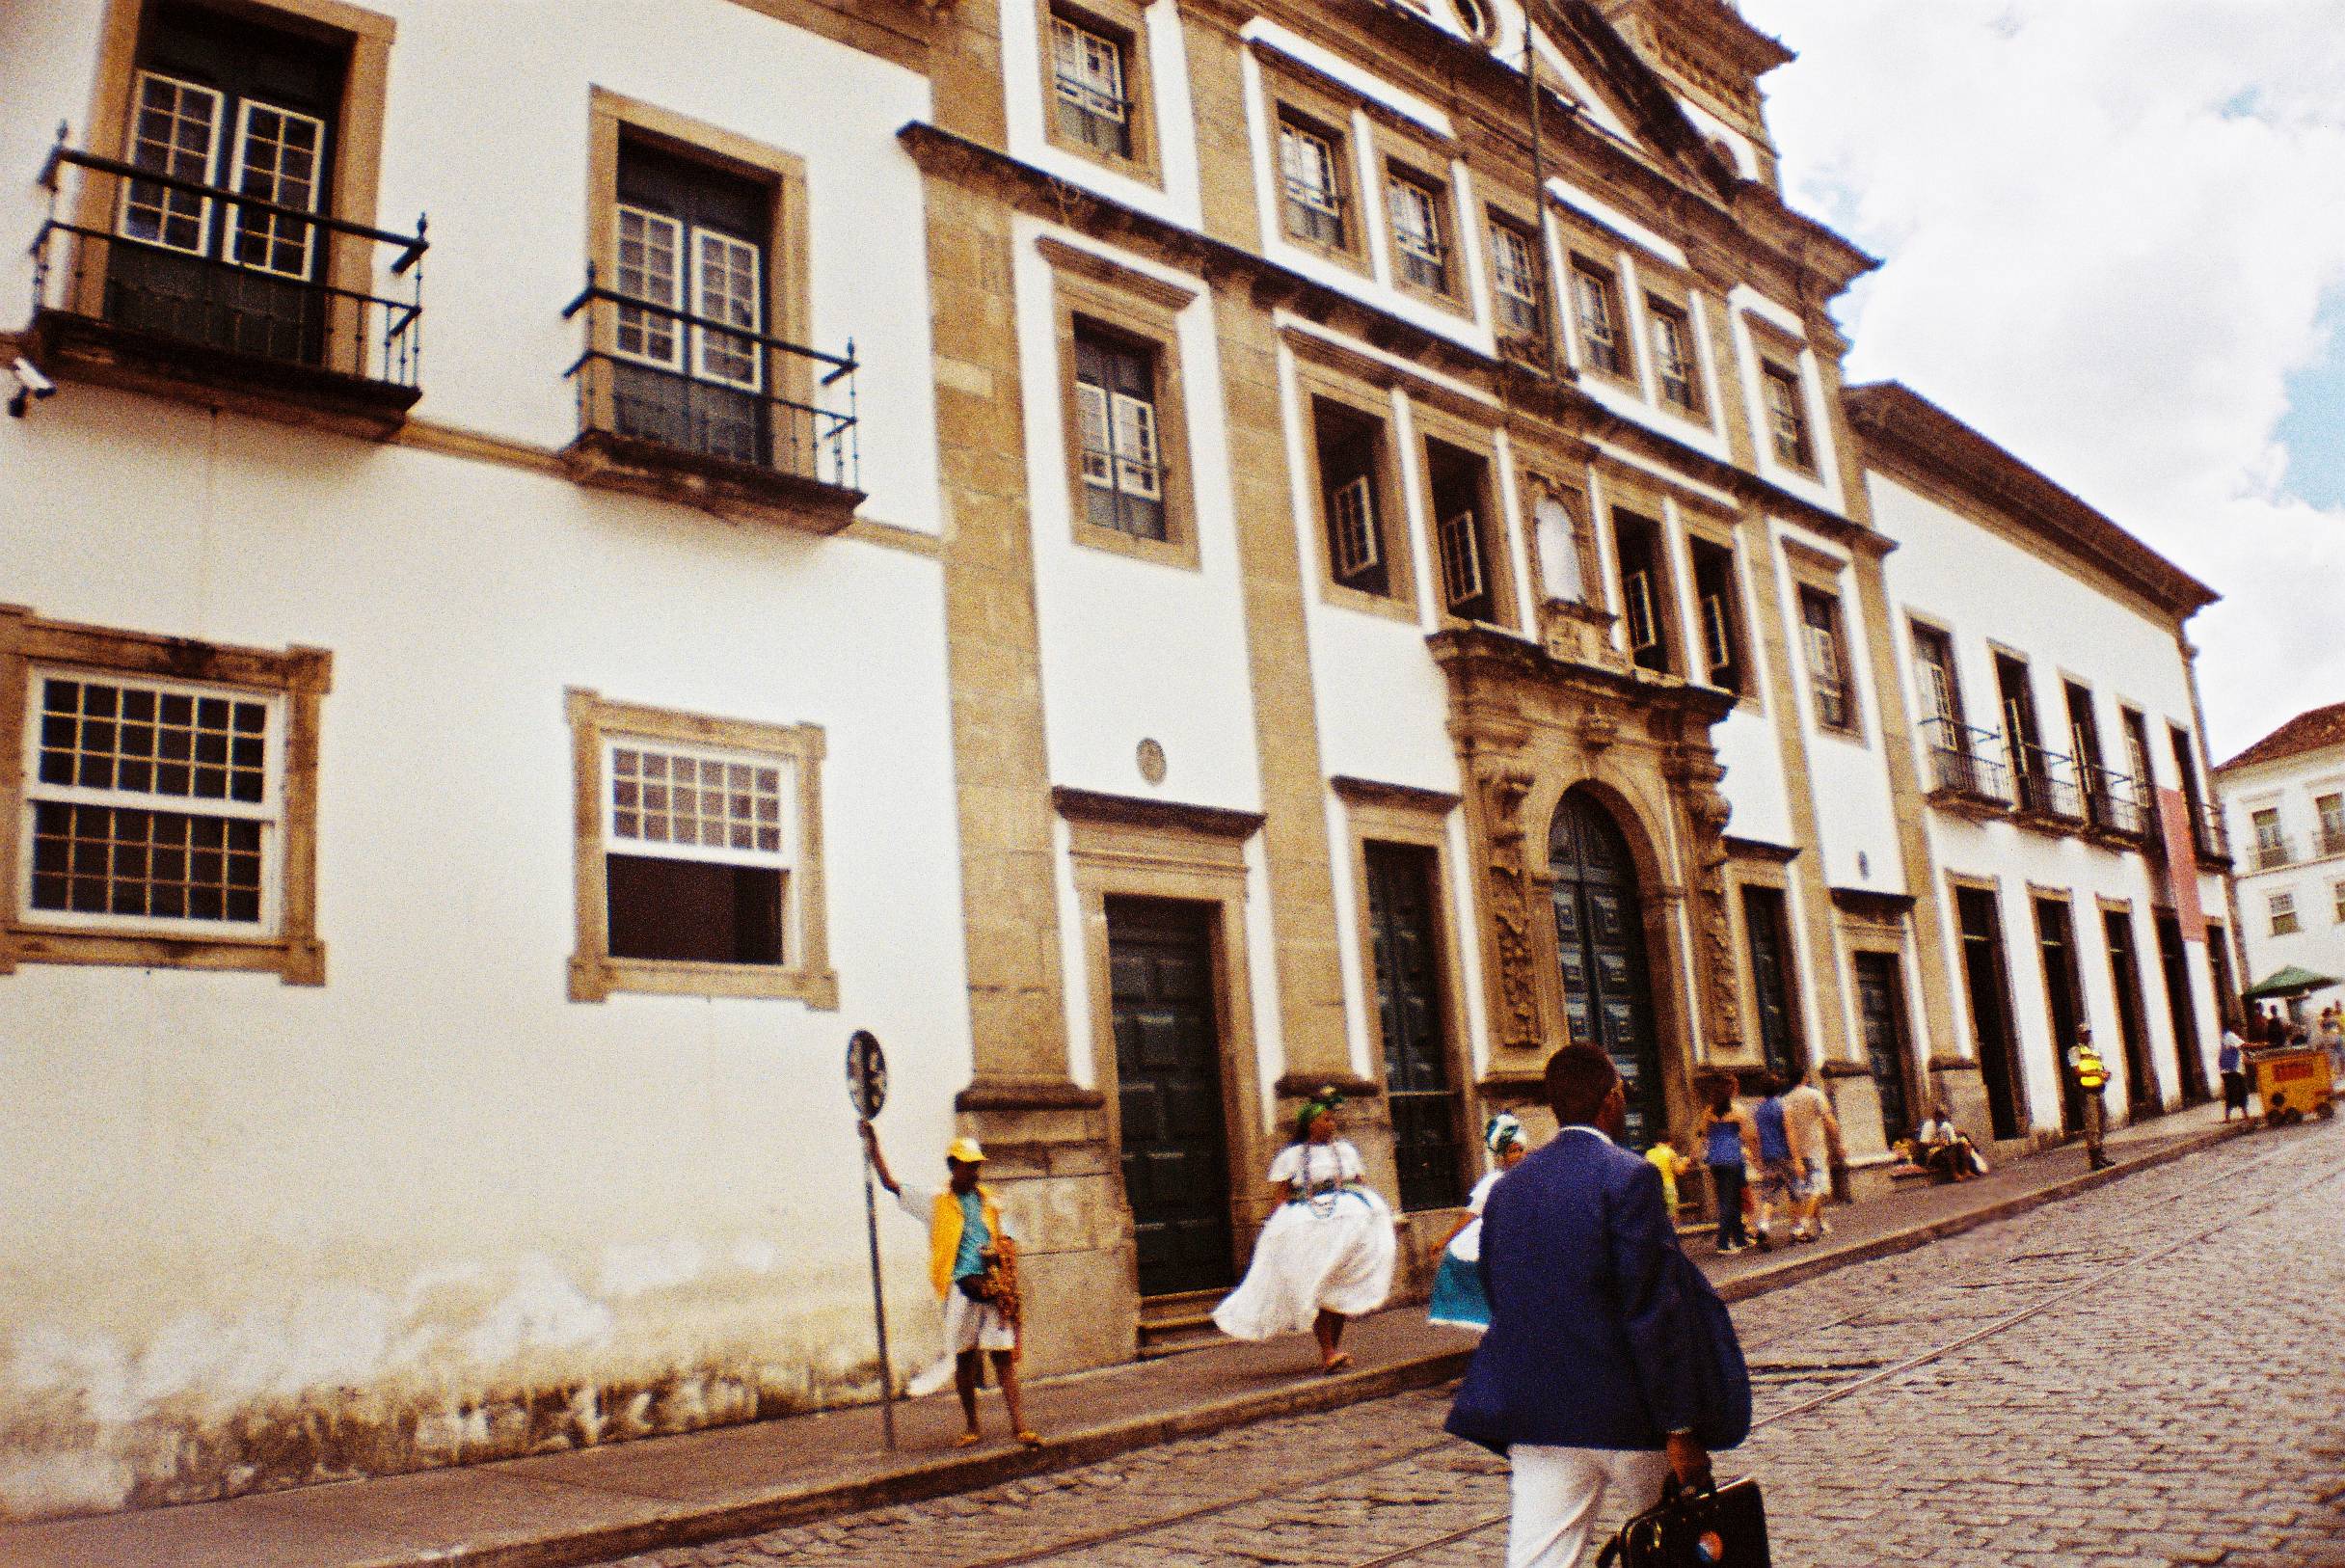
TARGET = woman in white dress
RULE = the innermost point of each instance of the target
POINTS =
(1327, 1253)
(1458, 1298)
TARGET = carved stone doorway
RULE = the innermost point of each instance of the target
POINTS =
(1600, 948)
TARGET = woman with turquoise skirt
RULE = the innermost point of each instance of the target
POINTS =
(1457, 1285)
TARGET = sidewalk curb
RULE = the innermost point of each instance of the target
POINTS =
(946, 1474)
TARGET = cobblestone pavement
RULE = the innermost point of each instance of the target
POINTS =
(2186, 1404)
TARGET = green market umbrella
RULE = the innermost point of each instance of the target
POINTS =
(2289, 982)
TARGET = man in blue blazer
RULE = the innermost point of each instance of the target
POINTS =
(1586, 1380)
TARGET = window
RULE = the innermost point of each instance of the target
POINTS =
(1124, 476)
(2137, 754)
(1462, 536)
(1513, 277)
(691, 247)
(1715, 592)
(1644, 589)
(2085, 753)
(699, 857)
(1419, 256)
(1596, 305)
(2331, 810)
(2283, 914)
(2270, 845)
(1827, 665)
(1088, 88)
(1673, 358)
(1787, 417)
(1941, 693)
(1350, 449)
(166, 810)
(2336, 895)
(1310, 168)
(250, 111)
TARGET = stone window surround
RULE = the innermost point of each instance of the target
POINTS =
(1503, 206)
(1720, 533)
(1405, 160)
(1625, 492)
(1291, 93)
(1677, 295)
(611, 116)
(1376, 812)
(1145, 309)
(1535, 485)
(302, 675)
(806, 974)
(354, 185)
(1812, 569)
(1774, 352)
(1316, 382)
(1124, 23)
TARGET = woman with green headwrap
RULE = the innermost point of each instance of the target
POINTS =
(1326, 1254)
(1458, 1299)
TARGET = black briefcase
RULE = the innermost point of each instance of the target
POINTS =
(1722, 1527)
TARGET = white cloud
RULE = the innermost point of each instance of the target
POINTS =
(2108, 227)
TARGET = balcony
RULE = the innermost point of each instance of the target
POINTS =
(2112, 806)
(2273, 851)
(2048, 790)
(1962, 775)
(2207, 835)
(679, 407)
(162, 284)
(2328, 841)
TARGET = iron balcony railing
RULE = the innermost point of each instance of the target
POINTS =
(220, 269)
(714, 390)
(2113, 804)
(2047, 784)
(2206, 832)
(2273, 849)
(2331, 839)
(1961, 763)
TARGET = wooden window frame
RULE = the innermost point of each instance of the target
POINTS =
(1580, 265)
(1662, 304)
(1406, 167)
(1497, 528)
(1918, 629)
(298, 677)
(1778, 370)
(1738, 607)
(1123, 24)
(1320, 114)
(2279, 906)
(1313, 385)
(1503, 214)
(787, 285)
(805, 975)
(1121, 302)
(1827, 586)
(1646, 512)
(354, 185)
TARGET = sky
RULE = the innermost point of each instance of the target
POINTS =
(2113, 240)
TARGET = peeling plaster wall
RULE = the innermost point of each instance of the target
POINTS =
(255, 1236)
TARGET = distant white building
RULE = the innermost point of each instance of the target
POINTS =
(2285, 800)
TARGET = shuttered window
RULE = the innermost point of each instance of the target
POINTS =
(1124, 476)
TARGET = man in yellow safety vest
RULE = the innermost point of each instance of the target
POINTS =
(2091, 1077)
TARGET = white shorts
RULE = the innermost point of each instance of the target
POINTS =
(975, 1325)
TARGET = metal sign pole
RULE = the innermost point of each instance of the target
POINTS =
(887, 1371)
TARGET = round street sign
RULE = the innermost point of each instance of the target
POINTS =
(866, 1073)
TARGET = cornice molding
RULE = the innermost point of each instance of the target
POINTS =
(1371, 792)
(1134, 811)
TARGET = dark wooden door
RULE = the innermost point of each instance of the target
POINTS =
(2064, 1000)
(1986, 978)
(1175, 1129)
(1419, 1087)
(1763, 918)
(1880, 1014)
(2171, 959)
(2133, 1021)
(1600, 945)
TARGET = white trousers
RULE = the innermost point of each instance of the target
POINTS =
(1559, 1491)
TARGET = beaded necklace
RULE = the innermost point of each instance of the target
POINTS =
(1319, 1196)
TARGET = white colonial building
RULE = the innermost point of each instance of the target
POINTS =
(473, 727)
(2283, 799)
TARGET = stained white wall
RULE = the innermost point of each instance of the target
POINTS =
(435, 1177)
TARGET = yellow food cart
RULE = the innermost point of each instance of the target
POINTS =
(2291, 1080)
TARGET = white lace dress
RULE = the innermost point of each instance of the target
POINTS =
(1330, 1247)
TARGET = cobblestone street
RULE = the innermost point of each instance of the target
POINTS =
(2148, 1374)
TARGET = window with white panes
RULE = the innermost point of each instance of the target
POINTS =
(1088, 88)
(1596, 307)
(1673, 358)
(650, 269)
(1308, 170)
(1349, 446)
(277, 162)
(1513, 277)
(697, 853)
(1418, 255)
(1352, 524)
(2283, 914)
(1787, 417)
(174, 131)
(1123, 475)
(152, 805)
(2336, 894)
(1827, 668)
(727, 287)
(2330, 809)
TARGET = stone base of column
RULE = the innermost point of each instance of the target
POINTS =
(1963, 1087)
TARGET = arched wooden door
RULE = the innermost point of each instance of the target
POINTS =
(1600, 945)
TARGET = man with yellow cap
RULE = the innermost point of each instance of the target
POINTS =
(973, 1264)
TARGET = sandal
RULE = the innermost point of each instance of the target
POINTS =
(967, 1440)
(1031, 1439)
(1336, 1363)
